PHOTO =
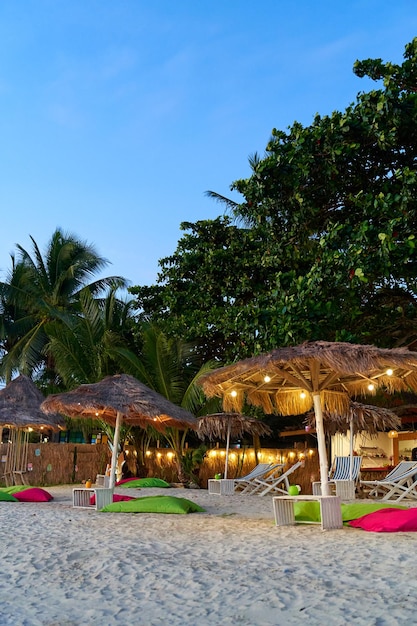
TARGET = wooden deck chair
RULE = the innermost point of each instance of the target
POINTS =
(377, 486)
(274, 485)
(399, 484)
(246, 483)
(339, 477)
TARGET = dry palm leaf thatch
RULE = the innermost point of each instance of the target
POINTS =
(215, 426)
(333, 369)
(318, 374)
(138, 404)
(364, 418)
(20, 403)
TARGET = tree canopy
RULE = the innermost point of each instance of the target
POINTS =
(322, 245)
(41, 291)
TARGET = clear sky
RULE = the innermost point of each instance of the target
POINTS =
(118, 115)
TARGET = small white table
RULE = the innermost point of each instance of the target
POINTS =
(222, 486)
(330, 510)
(81, 497)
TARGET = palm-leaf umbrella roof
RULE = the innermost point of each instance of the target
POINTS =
(215, 425)
(138, 404)
(334, 369)
(365, 418)
(20, 402)
(323, 374)
(226, 425)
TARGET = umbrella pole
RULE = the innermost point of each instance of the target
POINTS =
(115, 450)
(321, 442)
(351, 450)
(227, 448)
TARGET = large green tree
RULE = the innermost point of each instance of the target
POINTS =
(41, 289)
(323, 244)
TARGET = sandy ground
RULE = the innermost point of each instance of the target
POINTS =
(231, 565)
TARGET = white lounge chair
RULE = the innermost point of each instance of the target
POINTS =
(378, 485)
(246, 483)
(399, 484)
(273, 484)
(341, 478)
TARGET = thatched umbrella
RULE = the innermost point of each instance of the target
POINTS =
(365, 418)
(20, 407)
(358, 418)
(320, 374)
(120, 398)
(226, 425)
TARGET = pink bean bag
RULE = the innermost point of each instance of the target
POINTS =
(33, 494)
(388, 521)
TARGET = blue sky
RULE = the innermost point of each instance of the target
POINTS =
(118, 115)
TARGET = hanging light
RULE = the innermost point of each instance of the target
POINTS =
(267, 379)
(393, 434)
(371, 387)
(233, 393)
(303, 394)
(389, 372)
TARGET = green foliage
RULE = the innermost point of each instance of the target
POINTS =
(323, 244)
(94, 343)
(41, 291)
(191, 461)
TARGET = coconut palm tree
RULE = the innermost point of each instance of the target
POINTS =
(93, 344)
(44, 289)
(172, 368)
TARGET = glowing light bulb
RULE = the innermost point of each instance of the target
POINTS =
(267, 379)
(389, 372)
(302, 394)
(371, 387)
(233, 393)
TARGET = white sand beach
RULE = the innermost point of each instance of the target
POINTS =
(229, 566)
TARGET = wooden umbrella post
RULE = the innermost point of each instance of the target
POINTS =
(321, 443)
(114, 452)
(229, 425)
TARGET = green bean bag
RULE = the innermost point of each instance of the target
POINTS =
(144, 482)
(7, 497)
(154, 504)
(310, 511)
(14, 489)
